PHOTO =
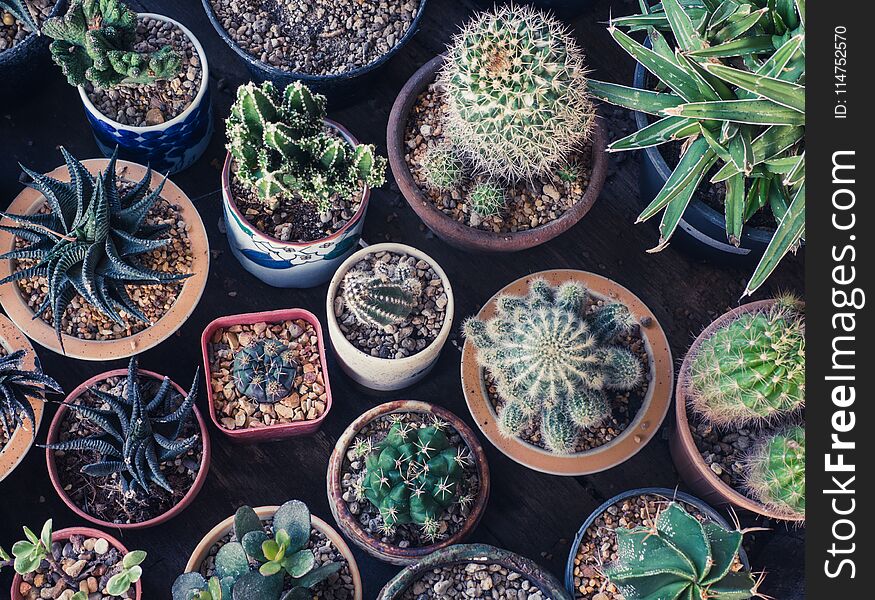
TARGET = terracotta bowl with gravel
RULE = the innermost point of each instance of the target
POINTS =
(359, 520)
(95, 337)
(525, 226)
(635, 420)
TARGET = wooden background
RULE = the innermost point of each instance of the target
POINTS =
(533, 514)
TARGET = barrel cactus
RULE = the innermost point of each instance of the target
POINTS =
(265, 371)
(487, 199)
(775, 473)
(383, 297)
(442, 167)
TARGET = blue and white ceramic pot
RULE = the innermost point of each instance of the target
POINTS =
(168, 147)
(290, 264)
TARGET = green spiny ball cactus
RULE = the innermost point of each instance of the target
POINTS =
(442, 167)
(516, 93)
(612, 320)
(568, 172)
(94, 41)
(382, 298)
(775, 473)
(751, 370)
(487, 199)
(265, 371)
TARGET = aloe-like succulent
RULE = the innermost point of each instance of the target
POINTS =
(775, 473)
(265, 371)
(18, 386)
(487, 199)
(384, 297)
(21, 12)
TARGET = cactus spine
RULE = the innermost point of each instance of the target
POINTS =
(775, 473)
(443, 168)
(382, 298)
(265, 371)
(487, 199)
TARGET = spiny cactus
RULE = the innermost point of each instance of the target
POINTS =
(258, 566)
(487, 199)
(442, 167)
(94, 41)
(753, 369)
(775, 473)
(89, 243)
(384, 297)
(680, 557)
(21, 12)
(138, 434)
(265, 371)
(516, 92)
(281, 146)
(552, 362)
(17, 387)
(568, 172)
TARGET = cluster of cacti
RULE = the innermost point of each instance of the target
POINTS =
(94, 42)
(20, 11)
(90, 241)
(138, 433)
(442, 167)
(17, 387)
(515, 85)
(487, 198)
(255, 565)
(265, 371)
(383, 297)
(282, 147)
(775, 473)
(553, 360)
(680, 557)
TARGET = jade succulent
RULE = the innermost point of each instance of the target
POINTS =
(775, 473)
(487, 199)
(262, 566)
(383, 297)
(21, 12)
(18, 386)
(443, 167)
(265, 371)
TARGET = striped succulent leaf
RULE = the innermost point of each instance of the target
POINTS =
(21, 12)
(17, 387)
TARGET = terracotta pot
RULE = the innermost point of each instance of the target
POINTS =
(475, 554)
(30, 201)
(54, 474)
(687, 458)
(66, 534)
(348, 522)
(386, 374)
(639, 432)
(448, 229)
(202, 550)
(269, 432)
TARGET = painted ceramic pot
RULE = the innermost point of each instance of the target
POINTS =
(24, 63)
(168, 147)
(290, 264)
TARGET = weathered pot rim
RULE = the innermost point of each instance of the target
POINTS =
(461, 234)
(636, 435)
(66, 534)
(54, 475)
(347, 521)
(29, 200)
(202, 549)
(347, 346)
(205, 83)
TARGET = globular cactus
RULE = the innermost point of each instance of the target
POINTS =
(487, 199)
(21, 12)
(568, 172)
(94, 41)
(382, 298)
(265, 371)
(281, 147)
(551, 364)
(775, 473)
(680, 557)
(516, 93)
(442, 167)
(752, 371)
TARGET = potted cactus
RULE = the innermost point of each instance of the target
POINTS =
(143, 80)
(566, 372)
(390, 311)
(128, 449)
(270, 553)
(741, 136)
(22, 48)
(741, 389)
(496, 145)
(295, 185)
(407, 479)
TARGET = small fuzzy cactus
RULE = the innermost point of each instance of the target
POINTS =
(20, 11)
(265, 371)
(442, 167)
(516, 93)
(553, 362)
(487, 199)
(775, 473)
(382, 298)
(680, 557)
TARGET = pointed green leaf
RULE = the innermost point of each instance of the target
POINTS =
(784, 93)
(754, 112)
(645, 101)
(790, 231)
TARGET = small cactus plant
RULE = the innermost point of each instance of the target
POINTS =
(775, 473)
(17, 387)
(442, 167)
(382, 298)
(20, 11)
(553, 362)
(265, 371)
(487, 199)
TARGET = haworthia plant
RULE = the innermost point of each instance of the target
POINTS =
(18, 386)
(21, 12)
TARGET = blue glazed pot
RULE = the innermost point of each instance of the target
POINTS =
(168, 147)
(25, 61)
(290, 264)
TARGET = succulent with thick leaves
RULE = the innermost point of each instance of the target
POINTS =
(89, 242)
(283, 562)
(487, 199)
(442, 167)
(382, 298)
(137, 434)
(21, 12)
(552, 362)
(94, 42)
(281, 147)
(775, 473)
(265, 371)
(680, 558)
(516, 93)
(732, 89)
(18, 387)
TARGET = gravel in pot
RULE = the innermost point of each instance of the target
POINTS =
(13, 31)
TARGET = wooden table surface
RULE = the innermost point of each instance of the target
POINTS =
(530, 513)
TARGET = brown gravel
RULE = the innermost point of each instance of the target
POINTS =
(13, 32)
(473, 580)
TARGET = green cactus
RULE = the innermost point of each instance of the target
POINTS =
(382, 298)
(775, 473)
(265, 371)
(487, 199)
(680, 558)
(752, 371)
(516, 93)
(568, 172)
(21, 12)
(281, 147)
(443, 168)
(553, 362)
(94, 41)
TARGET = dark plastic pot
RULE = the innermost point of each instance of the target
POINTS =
(24, 62)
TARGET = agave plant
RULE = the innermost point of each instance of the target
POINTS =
(21, 12)
(17, 387)
(731, 87)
